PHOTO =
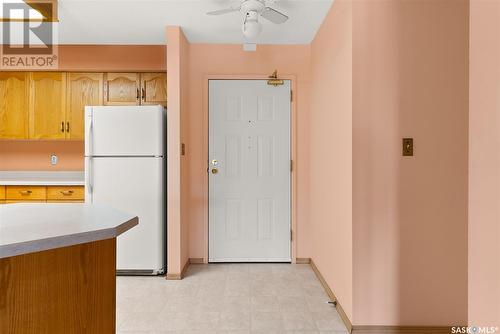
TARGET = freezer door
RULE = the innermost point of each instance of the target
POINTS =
(133, 185)
(124, 131)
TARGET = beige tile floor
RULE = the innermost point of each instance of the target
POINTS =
(228, 298)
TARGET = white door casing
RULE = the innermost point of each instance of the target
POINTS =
(250, 195)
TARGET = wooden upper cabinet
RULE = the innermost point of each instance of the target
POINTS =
(51, 105)
(14, 88)
(84, 89)
(47, 112)
(121, 89)
(154, 88)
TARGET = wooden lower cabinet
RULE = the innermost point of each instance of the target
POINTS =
(42, 194)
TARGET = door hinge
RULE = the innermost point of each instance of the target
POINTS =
(291, 95)
(291, 165)
(291, 235)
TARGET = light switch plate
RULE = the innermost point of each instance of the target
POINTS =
(53, 159)
(407, 147)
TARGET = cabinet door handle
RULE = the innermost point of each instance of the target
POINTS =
(67, 127)
(25, 192)
(144, 94)
(67, 192)
(137, 96)
(62, 126)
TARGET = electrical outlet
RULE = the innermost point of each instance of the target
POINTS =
(53, 159)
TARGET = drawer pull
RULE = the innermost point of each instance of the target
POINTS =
(25, 192)
(67, 192)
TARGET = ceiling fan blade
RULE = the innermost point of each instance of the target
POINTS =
(273, 15)
(224, 11)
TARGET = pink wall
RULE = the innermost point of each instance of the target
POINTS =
(112, 58)
(484, 164)
(35, 155)
(205, 60)
(330, 152)
(177, 243)
(185, 117)
(410, 79)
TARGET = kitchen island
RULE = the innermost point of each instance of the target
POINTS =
(57, 267)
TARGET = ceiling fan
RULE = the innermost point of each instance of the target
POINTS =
(253, 9)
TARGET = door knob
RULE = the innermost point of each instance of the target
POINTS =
(215, 170)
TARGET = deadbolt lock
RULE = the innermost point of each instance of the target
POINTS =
(215, 170)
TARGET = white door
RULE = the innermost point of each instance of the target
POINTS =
(133, 185)
(249, 171)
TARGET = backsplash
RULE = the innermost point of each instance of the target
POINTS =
(36, 155)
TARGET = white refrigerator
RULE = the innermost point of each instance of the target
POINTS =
(125, 169)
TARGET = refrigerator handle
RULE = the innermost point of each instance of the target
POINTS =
(91, 137)
(90, 183)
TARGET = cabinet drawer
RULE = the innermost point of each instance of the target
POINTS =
(2, 192)
(65, 193)
(26, 193)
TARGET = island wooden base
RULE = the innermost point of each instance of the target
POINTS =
(64, 290)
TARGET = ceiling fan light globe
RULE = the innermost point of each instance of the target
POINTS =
(252, 29)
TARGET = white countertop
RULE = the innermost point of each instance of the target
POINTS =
(28, 228)
(34, 178)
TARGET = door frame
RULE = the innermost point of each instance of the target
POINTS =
(293, 152)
